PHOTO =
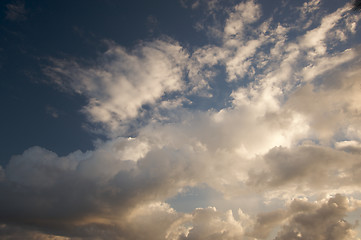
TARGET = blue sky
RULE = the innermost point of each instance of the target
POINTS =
(182, 119)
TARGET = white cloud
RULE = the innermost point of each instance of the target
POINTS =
(324, 64)
(124, 81)
(331, 108)
(200, 67)
(238, 66)
(349, 146)
(210, 224)
(309, 7)
(243, 14)
(316, 37)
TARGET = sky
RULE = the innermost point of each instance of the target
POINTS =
(180, 120)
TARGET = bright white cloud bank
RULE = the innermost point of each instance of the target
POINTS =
(289, 138)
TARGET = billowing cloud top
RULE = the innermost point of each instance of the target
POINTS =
(279, 158)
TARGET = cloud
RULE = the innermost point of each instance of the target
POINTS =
(356, 5)
(242, 15)
(9, 232)
(124, 81)
(115, 188)
(157, 220)
(82, 193)
(240, 43)
(152, 23)
(325, 64)
(101, 194)
(319, 221)
(316, 37)
(52, 111)
(310, 6)
(302, 219)
(16, 11)
(194, 4)
(332, 107)
(242, 52)
(307, 168)
(349, 146)
(210, 224)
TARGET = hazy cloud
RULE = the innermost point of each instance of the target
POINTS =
(16, 11)
(52, 111)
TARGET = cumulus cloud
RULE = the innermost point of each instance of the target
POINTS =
(118, 188)
(101, 194)
(59, 211)
(210, 224)
(319, 220)
(302, 219)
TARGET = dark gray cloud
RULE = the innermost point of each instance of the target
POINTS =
(309, 220)
(323, 221)
(10, 232)
(308, 167)
(356, 5)
(84, 194)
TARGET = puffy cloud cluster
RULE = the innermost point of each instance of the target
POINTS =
(302, 219)
(86, 209)
(293, 130)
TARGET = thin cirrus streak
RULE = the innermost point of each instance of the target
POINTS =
(282, 154)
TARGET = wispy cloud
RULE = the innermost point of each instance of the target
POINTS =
(16, 11)
(124, 81)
